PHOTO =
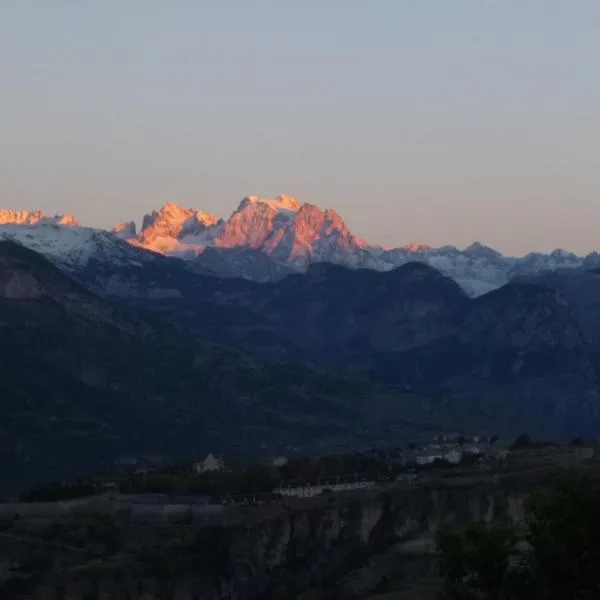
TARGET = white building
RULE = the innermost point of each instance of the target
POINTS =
(211, 463)
(338, 484)
(429, 457)
(280, 461)
(453, 456)
(473, 449)
(299, 491)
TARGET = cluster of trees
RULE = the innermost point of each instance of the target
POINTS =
(243, 480)
(55, 492)
(313, 468)
(553, 555)
(525, 441)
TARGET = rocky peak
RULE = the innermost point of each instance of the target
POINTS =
(174, 221)
(282, 202)
(26, 217)
(21, 217)
(478, 250)
(256, 220)
(67, 219)
(125, 231)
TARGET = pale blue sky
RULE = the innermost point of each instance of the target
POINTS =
(441, 121)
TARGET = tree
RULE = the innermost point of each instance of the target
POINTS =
(523, 441)
(477, 563)
(553, 555)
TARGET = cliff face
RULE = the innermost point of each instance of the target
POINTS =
(336, 548)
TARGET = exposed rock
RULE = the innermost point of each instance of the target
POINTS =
(349, 547)
(25, 217)
(126, 231)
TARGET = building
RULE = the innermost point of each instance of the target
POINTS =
(500, 450)
(453, 456)
(585, 452)
(213, 462)
(305, 490)
(130, 463)
(164, 507)
(347, 483)
(406, 477)
(473, 449)
(298, 489)
(428, 456)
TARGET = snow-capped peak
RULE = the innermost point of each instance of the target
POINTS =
(174, 229)
(71, 246)
(67, 219)
(171, 217)
(26, 217)
(125, 231)
(283, 229)
(280, 203)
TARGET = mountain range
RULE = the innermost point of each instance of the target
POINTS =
(239, 336)
(84, 380)
(266, 240)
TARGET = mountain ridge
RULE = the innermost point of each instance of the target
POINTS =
(291, 235)
(84, 380)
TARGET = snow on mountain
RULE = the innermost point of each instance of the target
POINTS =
(265, 239)
(298, 234)
(176, 230)
(290, 232)
(125, 231)
(72, 246)
(25, 217)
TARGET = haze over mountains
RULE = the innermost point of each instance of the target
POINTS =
(267, 239)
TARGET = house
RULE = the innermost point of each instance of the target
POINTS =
(500, 450)
(133, 462)
(429, 456)
(213, 462)
(585, 452)
(406, 477)
(163, 507)
(300, 489)
(453, 456)
(473, 449)
(347, 483)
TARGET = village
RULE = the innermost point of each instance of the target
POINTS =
(146, 487)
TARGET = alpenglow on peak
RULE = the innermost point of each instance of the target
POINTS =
(26, 217)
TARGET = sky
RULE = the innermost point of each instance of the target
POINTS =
(436, 121)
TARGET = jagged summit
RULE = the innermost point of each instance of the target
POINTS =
(290, 235)
(282, 202)
(26, 217)
(126, 231)
(173, 229)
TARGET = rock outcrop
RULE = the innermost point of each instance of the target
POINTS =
(337, 547)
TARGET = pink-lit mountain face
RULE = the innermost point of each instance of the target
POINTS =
(26, 217)
(266, 239)
(172, 229)
(282, 228)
